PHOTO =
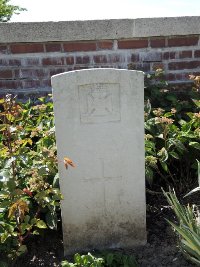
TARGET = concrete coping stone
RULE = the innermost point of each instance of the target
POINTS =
(15, 32)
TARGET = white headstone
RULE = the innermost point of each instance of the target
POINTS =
(99, 123)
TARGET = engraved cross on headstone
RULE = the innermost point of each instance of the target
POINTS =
(104, 178)
(99, 102)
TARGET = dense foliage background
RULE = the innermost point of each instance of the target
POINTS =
(29, 194)
(172, 134)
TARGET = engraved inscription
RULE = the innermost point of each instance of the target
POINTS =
(99, 102)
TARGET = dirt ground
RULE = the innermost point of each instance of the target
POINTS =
(161, 248)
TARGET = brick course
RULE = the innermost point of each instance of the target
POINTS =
(29, 66)
(185, 54)
(79, 46)
(197, 53)
(155, 43)
(131, 44)
(104, 45)
(26, 48)
(184, 41)
(53, 47)
(5, 74)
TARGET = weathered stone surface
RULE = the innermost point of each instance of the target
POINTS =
(99, 124)
(97, 29)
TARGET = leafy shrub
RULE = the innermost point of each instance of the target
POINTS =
(29, 193)
(104, 260)
(188, 227)
(172, 136)
(119, 260)
(84, 261)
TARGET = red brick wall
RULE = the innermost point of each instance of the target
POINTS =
(28, 67)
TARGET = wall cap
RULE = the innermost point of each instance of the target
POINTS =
(14, 32)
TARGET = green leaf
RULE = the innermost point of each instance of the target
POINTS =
(51, 219)
(196, 102)
(66, 264)
(149, 175)
(25, 227)
(5, 175)
(41, 99)
(41, 224)
(3, 127)
(109, 258)
(4, 237)
(174, 154)
(195, 145)
(56, 181)
(4, 194)
(11, 185)
(164, 166)
(192, 191)
(33, 221)
(163, 154)
(35, 232)
(171, 98)
(10, 117)
(42, 171)
(182, 122)
(77, 258)
(5, 204)
(17, 192)
(27, 219)
(178, 144)
(168, 114)
(22, 250)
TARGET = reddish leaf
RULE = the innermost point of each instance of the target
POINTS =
(28, 192)
(67, 162)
